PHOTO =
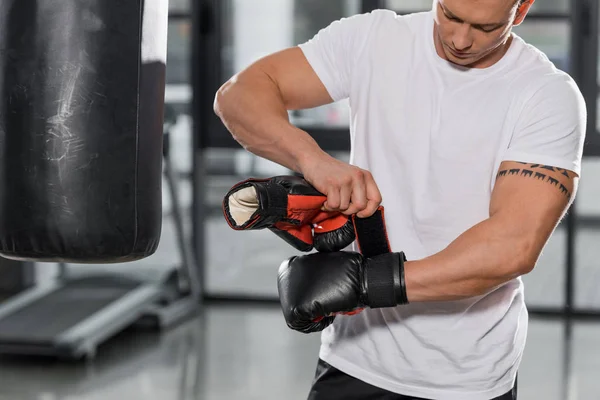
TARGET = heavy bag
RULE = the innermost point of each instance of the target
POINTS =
(81, 117)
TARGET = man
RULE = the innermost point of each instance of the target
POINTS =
(472, 140)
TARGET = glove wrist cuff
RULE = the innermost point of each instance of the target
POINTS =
(401, 295)
(385, 283)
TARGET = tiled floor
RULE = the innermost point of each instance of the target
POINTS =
(233, 353)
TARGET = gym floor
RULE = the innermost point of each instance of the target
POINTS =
(230, 352)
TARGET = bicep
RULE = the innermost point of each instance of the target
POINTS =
(532, 198)
(319, 71)
(296, 81)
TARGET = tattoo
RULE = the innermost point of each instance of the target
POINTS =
(549, 168)
(564, 190)
(529, 173)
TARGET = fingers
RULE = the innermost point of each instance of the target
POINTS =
(345, 195)
(373, 197)
(340, 195)
(357, 194)
(333, 200)
(369, 210)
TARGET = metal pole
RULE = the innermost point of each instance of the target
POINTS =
(370, 5)
(15, 276)
(188, 272)
(206, 69)
(584, 55)
(571, 225)
(584, 62)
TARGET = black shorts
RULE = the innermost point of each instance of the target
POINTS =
(332, 384)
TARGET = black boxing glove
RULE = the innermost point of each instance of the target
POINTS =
(291, 208)
(316, 287)
(333, 233)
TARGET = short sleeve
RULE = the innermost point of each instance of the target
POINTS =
(551, 127)
(334, 51)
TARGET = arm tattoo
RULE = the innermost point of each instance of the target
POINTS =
(553, 169)
(530, 172)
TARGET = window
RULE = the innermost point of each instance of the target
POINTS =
(245, 263)
(179, 6)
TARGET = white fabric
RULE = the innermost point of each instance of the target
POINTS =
(243, 204)
(155, 31)
(434, 135)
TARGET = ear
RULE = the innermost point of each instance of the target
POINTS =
(522, 11)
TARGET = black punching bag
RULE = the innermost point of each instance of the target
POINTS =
(81, 118)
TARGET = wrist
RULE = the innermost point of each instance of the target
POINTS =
(307, 154)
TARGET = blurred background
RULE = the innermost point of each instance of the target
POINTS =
(237, 345)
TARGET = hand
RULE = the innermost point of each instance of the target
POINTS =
(349, 189)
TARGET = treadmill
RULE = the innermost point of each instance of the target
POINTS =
(71, 316)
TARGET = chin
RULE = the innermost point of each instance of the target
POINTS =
(466, 62)
(461, 61)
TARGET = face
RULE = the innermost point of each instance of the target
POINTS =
(475, 33)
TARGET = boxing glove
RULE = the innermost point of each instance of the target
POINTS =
(333, 233)
(316, 287)
(291, 208)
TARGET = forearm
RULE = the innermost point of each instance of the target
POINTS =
(481, 259)
(252, 109)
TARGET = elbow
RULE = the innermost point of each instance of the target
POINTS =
(224, 108)
(525, 267)
(217, 102)
(525, 259)
(220, 101)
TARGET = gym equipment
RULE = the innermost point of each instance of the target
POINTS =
(15, 276)
(81, 112)
(70, 317)
(181, 355)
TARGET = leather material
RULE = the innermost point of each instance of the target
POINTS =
(81, 129)
(371, 237)
(321, 285)
(290, 207)
(334, 234)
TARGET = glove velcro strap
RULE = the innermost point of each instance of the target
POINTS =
(272, 199)
(371, 234)
(385, 281)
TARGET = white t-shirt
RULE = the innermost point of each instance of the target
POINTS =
(433, 135)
